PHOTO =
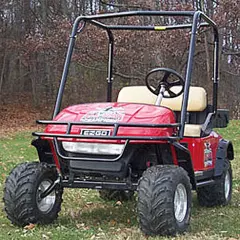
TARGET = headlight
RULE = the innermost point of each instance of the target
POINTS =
(93, 148)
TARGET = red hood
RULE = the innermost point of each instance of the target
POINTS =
(116, 112)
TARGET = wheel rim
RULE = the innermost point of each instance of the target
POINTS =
(180, 202)
(46, 204)
(227, 185)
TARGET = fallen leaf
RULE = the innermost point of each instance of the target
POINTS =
(30, 226)
(113, 222)
(45, 236)
(80, 225)
(118, 203)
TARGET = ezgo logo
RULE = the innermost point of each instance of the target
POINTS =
(95, 132)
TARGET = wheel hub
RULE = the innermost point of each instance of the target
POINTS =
(45, 204)
(227, 185)
(180, 202)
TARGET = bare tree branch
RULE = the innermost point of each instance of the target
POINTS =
(233, 74)
(114, 73)
(186, 60)
(125, 76)
(120, 5)
(231, 53)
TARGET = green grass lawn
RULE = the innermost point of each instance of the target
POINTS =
(85, 216)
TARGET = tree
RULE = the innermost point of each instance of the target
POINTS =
(34, 37)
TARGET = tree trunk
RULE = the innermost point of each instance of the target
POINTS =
(2, 72)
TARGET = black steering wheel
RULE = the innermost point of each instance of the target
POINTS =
(170, 79)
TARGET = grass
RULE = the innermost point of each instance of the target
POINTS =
(85, 216)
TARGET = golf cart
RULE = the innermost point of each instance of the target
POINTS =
(157, 140)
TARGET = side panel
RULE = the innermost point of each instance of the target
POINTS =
(203, 151)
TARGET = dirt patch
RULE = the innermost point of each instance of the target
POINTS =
(19, 114)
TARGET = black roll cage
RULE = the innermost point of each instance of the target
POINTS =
(197, 17)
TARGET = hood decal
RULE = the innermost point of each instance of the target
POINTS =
(107, 114)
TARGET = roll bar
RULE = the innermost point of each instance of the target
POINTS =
(197, 17)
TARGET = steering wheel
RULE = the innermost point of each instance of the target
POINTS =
(170, 79)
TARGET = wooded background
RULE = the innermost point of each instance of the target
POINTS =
(34, 36)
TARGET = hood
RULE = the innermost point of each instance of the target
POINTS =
(115, 113)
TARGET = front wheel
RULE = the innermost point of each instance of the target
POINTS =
(164, 200)
(22, 194)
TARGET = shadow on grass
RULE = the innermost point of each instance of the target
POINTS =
(105, 214)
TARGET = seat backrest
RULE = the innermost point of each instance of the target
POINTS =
(140, 94)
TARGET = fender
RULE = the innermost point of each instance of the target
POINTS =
(224, 151)
(183, 153)
(44, 150)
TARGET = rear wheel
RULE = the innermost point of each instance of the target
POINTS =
(22, 191)
(164, 200)
(116, 195)
(219, 193)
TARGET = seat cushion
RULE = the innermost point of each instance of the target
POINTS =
(197, 100)
(192, 130)
(140, 94)
(136, 94)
